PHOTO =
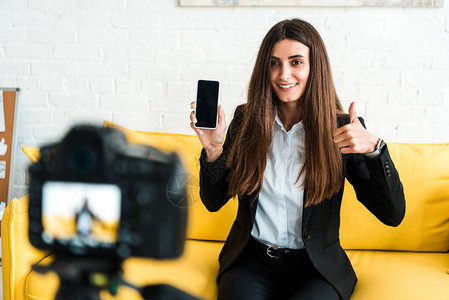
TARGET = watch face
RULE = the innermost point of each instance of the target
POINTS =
(381, 145)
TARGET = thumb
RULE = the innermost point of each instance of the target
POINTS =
(352, 114)
(221, 115)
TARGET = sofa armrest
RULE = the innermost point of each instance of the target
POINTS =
(17, 253)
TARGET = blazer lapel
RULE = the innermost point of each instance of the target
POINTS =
(253, 204)
(306, 211)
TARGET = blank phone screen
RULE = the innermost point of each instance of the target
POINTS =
(207, 104)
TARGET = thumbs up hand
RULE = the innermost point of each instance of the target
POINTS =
(353, 137)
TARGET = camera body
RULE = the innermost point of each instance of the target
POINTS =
(94, 194)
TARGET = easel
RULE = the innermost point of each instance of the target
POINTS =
(8, 114)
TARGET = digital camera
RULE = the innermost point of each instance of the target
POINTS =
(95, 194)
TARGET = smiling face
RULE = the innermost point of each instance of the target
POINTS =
(289, 70)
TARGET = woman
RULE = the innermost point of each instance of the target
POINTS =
(286, 154)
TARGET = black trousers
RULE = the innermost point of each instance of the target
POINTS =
(257, 276)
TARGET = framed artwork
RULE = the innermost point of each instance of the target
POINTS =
(316, 3)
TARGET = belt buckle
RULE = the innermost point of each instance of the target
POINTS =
(269, 251)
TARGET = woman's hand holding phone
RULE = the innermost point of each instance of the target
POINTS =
(211, 139)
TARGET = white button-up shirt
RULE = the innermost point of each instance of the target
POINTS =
(279, 211)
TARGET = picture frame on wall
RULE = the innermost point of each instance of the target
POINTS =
(316, 3)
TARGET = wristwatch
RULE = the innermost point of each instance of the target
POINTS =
(380, 146)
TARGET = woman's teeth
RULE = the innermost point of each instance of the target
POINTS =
(287, 86)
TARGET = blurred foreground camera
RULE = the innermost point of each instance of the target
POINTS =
(96, 200)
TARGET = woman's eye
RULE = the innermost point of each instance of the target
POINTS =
(274, 63)
(297, 62)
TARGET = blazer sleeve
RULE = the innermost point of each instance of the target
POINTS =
(377, 185)
(213, 175)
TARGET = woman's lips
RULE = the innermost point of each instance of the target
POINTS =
(286, 86)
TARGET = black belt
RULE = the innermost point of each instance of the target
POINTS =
(274, 251)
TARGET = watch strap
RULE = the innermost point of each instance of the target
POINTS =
(379, 147)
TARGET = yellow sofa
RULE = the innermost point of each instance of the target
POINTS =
(408, 262)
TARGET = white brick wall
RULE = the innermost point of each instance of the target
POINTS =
(135, 62)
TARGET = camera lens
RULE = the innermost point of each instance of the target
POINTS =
(83, 159)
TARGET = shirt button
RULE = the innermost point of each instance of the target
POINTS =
(307, 235)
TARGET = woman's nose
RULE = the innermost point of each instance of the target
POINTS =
(285, 73)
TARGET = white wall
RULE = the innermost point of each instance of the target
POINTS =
(136, 62)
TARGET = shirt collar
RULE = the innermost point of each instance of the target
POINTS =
(294, 128)
(278, 120)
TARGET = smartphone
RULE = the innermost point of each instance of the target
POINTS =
(206, 111)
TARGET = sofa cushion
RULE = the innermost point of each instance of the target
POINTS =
(400, 275)
(17, 253)
(424, 172)
(194, 272)
(32, 153)
(392, 275)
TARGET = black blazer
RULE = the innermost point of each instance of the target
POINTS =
(376, 183)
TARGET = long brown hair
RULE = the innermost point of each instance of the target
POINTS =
(319, 108)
